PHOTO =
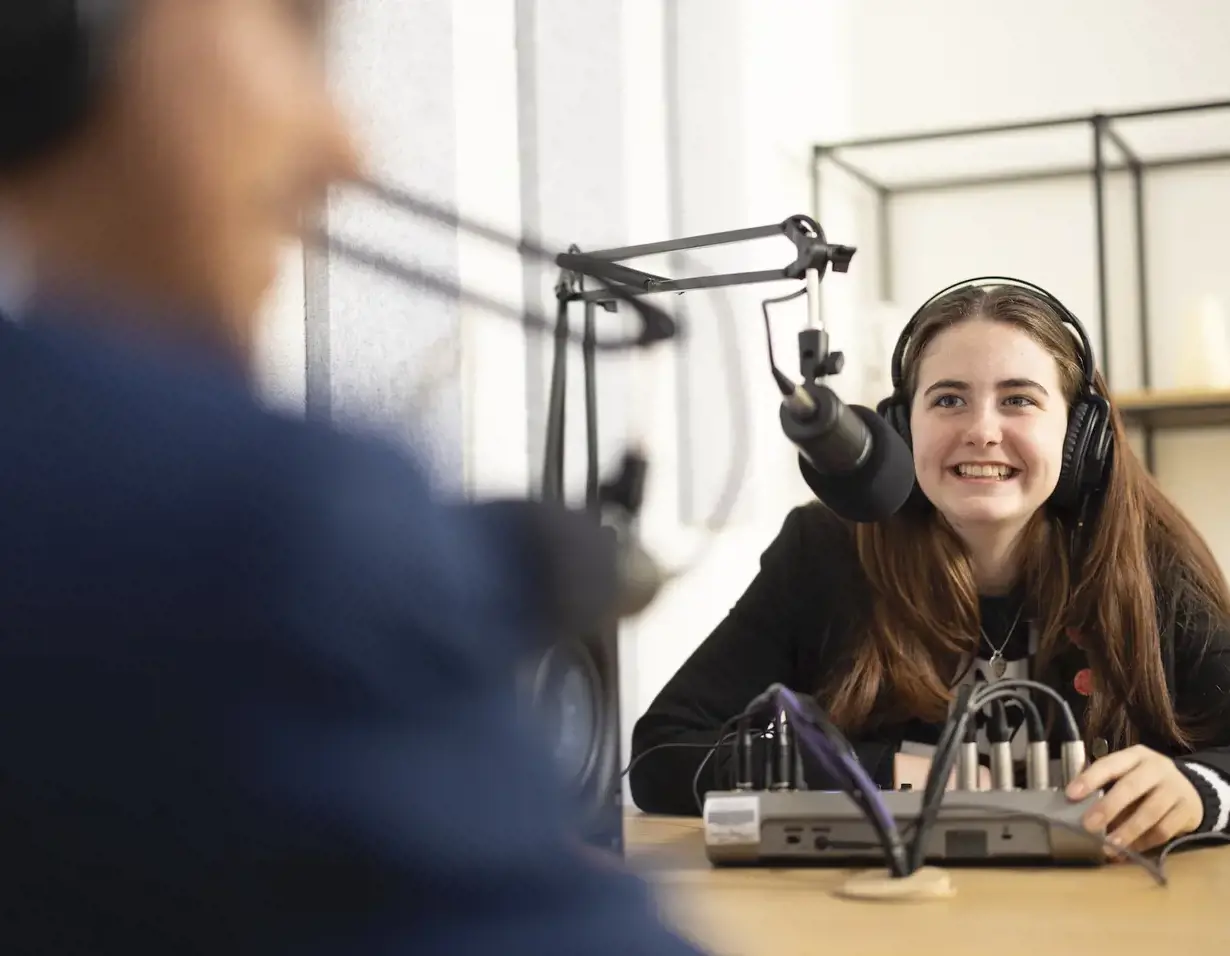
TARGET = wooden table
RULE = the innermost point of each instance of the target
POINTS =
(1116, 909)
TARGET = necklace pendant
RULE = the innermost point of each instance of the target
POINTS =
(999, 666)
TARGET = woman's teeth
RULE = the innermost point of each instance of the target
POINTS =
(985, 471)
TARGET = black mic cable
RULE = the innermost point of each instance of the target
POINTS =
(969, 701)
(1072, 749)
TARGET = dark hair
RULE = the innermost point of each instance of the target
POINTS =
(923, 613)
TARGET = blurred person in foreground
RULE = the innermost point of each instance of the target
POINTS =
(254, 682)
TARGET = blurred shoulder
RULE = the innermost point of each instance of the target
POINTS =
(156, 475)
(163, 427)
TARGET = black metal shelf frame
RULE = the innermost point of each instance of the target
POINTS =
(1103, 131)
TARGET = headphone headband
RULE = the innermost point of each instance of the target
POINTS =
(61, 52)
(1088, 366)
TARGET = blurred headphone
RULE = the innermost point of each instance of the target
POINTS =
(53, 54)
(1088, 443)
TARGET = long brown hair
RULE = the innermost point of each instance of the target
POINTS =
(923, 621)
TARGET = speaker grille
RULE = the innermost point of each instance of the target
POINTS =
(571, 691)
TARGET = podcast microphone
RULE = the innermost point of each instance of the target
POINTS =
(850, 457)
(578, 574)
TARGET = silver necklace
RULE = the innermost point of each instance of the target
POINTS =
(999, 666)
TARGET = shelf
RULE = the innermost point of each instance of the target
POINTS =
(1175, 408)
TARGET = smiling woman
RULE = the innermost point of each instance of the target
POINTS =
(989, 420)
(988, 450)
(1034, 545)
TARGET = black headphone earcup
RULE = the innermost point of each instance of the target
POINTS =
(1085, 451)
(897, 414)
(1075, 439)
(49, 55)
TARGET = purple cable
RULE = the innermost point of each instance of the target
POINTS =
(826, 753)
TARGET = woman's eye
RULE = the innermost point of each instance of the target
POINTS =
(1020, 401)
(947, 401)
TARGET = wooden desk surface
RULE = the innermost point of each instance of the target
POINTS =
(1116, 909)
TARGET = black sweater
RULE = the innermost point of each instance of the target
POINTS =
(796, 624)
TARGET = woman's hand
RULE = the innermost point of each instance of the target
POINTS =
(1150, 803)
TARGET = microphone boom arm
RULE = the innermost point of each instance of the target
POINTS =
(814, 256)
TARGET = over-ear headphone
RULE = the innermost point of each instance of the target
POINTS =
(52, 57)
(1088, 443)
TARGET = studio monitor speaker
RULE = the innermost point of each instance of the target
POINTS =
(571, 689)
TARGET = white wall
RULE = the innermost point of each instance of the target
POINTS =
(489, 191)
(281, 367)
(954, 62)
(392, 353)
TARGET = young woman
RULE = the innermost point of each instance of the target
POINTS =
(1035, 544)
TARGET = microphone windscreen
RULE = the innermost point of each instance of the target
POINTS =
(576, 574)
(641, 578)
(879, 487)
